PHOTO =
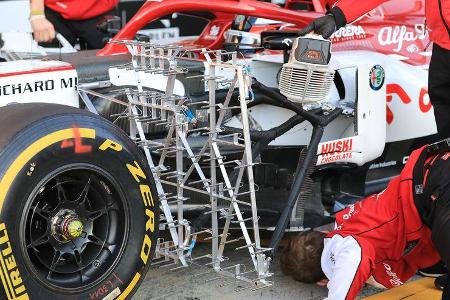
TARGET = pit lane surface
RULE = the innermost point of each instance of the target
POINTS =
(198, 284)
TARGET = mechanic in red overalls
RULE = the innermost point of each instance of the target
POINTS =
(387, 237)
(72, 18)
(438, 23)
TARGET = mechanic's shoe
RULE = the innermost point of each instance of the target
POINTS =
(441, 281)
(435, 271)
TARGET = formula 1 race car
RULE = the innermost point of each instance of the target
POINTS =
(310, 124)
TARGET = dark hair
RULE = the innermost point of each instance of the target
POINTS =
(301, 258)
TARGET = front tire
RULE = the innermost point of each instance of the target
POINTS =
(79, 217)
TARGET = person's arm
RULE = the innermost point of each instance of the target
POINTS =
(353, 9)
(343, 12)
(348, 263)
(43, 30)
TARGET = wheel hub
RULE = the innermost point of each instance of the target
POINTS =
(66, 226)
(74, 229)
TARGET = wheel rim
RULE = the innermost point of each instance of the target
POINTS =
(75, 228)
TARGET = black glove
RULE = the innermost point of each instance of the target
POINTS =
(326, 25)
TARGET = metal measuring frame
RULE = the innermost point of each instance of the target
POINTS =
(163, 108)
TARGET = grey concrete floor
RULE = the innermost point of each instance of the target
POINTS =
(196, 283)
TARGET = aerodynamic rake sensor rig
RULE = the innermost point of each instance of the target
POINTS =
(222, 179)
(182, 168)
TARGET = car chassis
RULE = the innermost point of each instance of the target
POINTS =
(181, 169)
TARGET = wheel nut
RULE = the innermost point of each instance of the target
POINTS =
(74, 228)
(67, 226)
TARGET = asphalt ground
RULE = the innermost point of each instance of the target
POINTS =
(200, 283)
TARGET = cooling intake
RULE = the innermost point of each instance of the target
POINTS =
(306, 77)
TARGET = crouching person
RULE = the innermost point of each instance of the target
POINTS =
(385, 238)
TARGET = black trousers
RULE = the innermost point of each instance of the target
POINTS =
(440, 234)
(83, 31)
(439, 91)
(439, 88)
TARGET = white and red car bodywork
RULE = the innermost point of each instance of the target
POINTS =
(25, 81)
(393, 36)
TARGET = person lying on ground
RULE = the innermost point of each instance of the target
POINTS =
(385, 238)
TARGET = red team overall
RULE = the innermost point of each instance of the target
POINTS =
(382, 236)
(385, 238)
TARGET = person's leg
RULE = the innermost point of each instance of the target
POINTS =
(441, 237)
(439, 88)
(446, 294)
(61, 25)
(443, 283)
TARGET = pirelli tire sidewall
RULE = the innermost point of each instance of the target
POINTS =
(50, 144)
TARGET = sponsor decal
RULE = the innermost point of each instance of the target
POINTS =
(398, 35)
(344, 145)
(77, 143)
(424, 101)
(347, 214)
(146, 195)
(213, 33)
(395, 281)
(351, 212)
(395, 89)
(326, 159)
(349, 33)
(214, 30)
(412, 48)
(9, 272)
(376, 77)
(383, 165)
(110, 144)
(336, 150)
(37, 86)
